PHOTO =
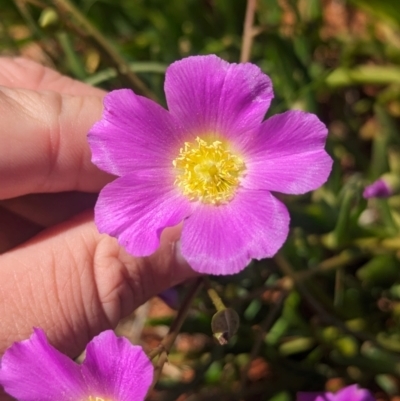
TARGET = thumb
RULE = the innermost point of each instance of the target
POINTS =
(74, 283)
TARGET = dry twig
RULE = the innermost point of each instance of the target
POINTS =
(248, 31)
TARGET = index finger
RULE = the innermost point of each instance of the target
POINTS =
(22, 73)
(43, 146)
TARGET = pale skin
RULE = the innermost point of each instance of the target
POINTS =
(56, 271)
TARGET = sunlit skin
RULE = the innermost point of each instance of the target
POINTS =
(57, 272)
(208, 171)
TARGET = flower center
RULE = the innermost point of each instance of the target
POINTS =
(97, 399)
(207, 171)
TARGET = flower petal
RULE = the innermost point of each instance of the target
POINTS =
(134, 132)
(135, 209)
(378, 189)
(211, 96)
(224, 239)
(288, 155)
(27, 366)
(170, 297)
(116, 369)
(353, 393)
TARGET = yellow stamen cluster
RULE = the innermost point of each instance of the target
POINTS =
(97, 399)
(208, 172)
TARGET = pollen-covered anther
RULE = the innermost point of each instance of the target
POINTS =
(208, 171)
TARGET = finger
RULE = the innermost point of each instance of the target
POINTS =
(23, 73)
(43, 143)
(73, 282)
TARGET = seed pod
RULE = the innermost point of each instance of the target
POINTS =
(224, 325)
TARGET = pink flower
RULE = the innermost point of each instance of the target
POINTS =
(208, 161)
(32, 370)
(349, 393)
(387, 185)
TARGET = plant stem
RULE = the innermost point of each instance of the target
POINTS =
(287, 269)
(121, 64)
(215, 298)
(165, 346)
(29, 20)
(335, 262)
(248, 34)
(176, 325)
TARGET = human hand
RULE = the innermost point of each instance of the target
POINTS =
(56, 271)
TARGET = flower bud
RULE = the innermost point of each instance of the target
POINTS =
(224, 325)
(385, 186)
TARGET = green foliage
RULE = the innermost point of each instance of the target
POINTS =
(329, 305)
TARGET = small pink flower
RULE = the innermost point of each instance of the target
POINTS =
(387, 185)
(209, 161)
(349, 393)
(113, 370)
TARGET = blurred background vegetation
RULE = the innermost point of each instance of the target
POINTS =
(326, 311)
